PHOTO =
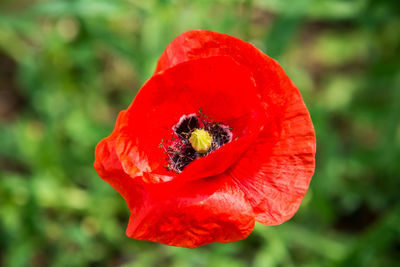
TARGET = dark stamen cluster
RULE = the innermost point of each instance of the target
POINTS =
(178, 149)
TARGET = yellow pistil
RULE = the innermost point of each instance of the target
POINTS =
(201, 140)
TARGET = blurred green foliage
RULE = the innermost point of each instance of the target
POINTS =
(68, 66)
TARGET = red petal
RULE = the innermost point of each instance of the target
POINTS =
(277, 168)
(215, 84)
(193, 214)
(271, 80)
(276, 171)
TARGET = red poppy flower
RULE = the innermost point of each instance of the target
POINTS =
(217, 139)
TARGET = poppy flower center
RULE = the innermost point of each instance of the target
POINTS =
(193, 137)
(200, 140)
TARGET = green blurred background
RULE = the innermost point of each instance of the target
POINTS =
(68, 67)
